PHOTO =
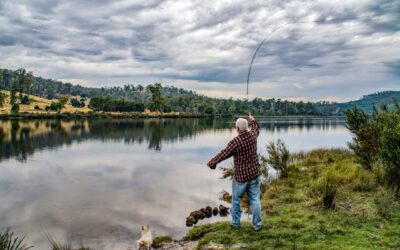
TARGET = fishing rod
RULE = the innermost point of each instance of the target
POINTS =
(267, 37)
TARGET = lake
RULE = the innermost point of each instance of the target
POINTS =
(94, 182)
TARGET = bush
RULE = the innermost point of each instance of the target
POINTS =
(15, 108)
(77, 104)
(326, 186)
(390, 152)
(55, 106)
(25, 100)
(278, 157)
(114, 105)
(365, 136)
(37, 107)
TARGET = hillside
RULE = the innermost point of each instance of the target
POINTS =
(368, 101)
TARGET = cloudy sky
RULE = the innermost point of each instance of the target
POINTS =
(321, 49)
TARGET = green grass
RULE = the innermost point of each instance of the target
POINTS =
(295, 219)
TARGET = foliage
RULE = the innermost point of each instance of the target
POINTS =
(365, 136)
(15, 108)
(3, 97)
(77, 103)
(114, 105)
(37, 107)
(59, 105)
(158, 102)
(278, 157)
(9, 242)
(326, 186)
(377, 138)
(25, 100)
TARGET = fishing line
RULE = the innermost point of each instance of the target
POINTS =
(267, 38)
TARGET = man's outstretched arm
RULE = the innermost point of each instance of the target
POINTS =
(224, 154)
(254, 126)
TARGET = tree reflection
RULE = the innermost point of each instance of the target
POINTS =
(19, 139)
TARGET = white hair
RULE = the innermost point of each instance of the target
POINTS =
(242, 124)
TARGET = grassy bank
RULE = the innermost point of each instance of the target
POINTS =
(365, 214)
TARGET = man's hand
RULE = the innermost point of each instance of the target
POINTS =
(251, 117)
(210, 165)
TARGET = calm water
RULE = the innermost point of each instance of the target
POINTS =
(94, 182)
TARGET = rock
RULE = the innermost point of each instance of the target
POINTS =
(204, 210)
(212, 246)
(215, 211)
(223, 211)
(201, 215)
(190, 220)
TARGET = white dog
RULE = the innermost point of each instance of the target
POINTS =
(146, 240)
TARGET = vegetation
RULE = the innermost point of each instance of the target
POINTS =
(377, 138)
(113, 105)
(278, 157)
(295, 216)
(9, 242)
(64, 246)
(161, 239)
(3, 97)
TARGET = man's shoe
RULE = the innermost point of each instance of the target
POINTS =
(234, 227)
(258, 229)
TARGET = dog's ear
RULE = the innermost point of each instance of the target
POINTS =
(142, 227)
(148, 227)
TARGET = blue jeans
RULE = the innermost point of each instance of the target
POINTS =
(253, 192)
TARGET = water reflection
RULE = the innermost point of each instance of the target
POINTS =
(95, 181)
(19, 139)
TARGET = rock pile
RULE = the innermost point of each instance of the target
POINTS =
(206, 212)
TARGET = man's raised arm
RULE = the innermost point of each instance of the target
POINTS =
(254, 126)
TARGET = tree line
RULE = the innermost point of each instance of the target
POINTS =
(156, 97)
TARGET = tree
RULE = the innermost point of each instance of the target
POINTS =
(157, 98)
(365, 132)
(62, 101)
(23, 80)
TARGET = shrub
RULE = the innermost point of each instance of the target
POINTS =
(9, 242)
(365, 132)
(37, 107)
(278, 157)
(77, 104)
(326, 186)
(15, 108)
(385, 203)
(25, 100)
(390, 152)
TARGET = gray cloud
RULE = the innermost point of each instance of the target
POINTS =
(317, 49)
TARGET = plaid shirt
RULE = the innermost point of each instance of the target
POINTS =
(243, 148)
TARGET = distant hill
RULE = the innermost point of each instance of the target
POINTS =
(368, 101)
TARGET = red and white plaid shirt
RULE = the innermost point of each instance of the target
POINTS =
(243, 148)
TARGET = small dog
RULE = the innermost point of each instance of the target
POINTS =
(146, 240)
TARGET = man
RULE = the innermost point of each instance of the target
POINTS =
(243, 148)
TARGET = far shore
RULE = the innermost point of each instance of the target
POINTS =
(116, 115)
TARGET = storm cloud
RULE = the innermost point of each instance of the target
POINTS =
(333, 50)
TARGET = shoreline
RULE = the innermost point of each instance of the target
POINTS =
(135, 115)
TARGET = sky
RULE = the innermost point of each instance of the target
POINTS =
(333, 50)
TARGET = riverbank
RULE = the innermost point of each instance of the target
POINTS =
(365, 214)
(95, 115)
